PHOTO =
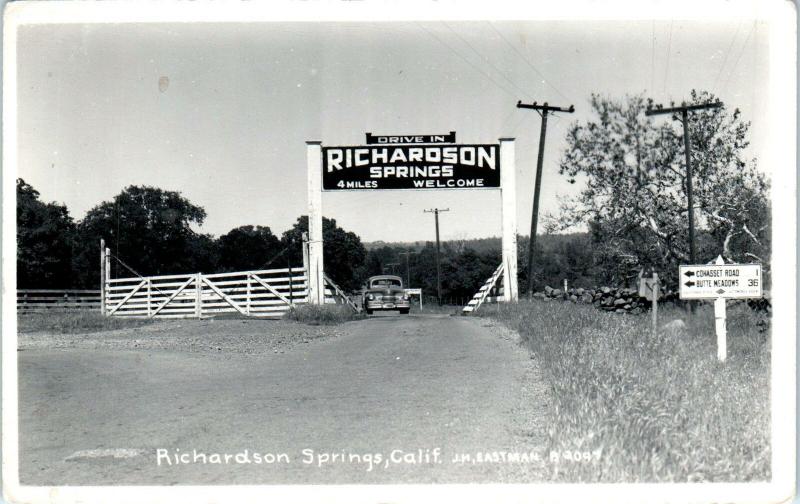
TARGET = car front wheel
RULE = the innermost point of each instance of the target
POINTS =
(404, 311)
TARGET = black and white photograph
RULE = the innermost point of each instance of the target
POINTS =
(351, 251)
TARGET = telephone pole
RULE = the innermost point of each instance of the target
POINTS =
(408, 270)
(435, 212)
(684, 111)
(543, 110)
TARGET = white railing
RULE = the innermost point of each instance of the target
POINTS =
(261, 293)
(38, 300)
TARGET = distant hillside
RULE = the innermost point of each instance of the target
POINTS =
(480, 245)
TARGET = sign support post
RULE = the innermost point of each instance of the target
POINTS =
(656, 292)
(316, 282)
(720, 281)
(720, 322)
(508, 196)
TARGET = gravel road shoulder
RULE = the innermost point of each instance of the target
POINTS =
(248, 336)
(532, 414)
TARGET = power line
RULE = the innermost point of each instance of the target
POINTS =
(727, 53)
(653, 57)
(525, 93)
(669, 51)
(741, 53)
(528, 62)
(507, 119)
(500, 86)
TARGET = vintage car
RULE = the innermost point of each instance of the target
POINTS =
(385, 292)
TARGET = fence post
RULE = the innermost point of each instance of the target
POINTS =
(108, 265)
(198, 292)
(102, 276)
(249, 283)
(291, 287)
(306, 267)
(149, 295)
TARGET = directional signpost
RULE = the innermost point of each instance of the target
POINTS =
(720, 281)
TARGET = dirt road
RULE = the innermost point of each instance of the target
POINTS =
(392, 399)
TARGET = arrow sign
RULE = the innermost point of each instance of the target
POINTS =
(720, 280)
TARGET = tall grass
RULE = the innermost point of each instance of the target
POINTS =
(73, 322)
(327, 314)
(656, 409)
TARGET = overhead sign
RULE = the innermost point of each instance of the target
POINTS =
(411, 166)
(411, 139)
(725, 281)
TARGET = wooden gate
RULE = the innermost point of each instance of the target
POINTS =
(262, 293)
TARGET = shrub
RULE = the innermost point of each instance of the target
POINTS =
(74, 322)
(327, 314)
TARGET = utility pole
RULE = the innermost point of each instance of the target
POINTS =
(543, 109)
(684, 111)
(408, 270)
(435, 212)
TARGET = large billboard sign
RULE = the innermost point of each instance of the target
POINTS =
(400, 162)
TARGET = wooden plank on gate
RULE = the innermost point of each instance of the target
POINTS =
(173, 296)
(126, 298)
(269, 288)
(224, 296)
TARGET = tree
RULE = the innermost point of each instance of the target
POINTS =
(465, 272)
(343, 253)
(248, 247)
(149, 230)
(634, 197)
(45, 236)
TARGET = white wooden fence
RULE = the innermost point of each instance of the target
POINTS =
(39, 300)
(262, 293)
(490, 292)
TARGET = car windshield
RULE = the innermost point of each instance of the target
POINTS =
(386, 282)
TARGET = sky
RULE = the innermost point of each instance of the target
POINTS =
(221, 111)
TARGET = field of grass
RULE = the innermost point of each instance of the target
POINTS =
(328, 314)
(73, 322)
(645, 409)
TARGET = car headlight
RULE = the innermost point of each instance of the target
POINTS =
(405, 297)
(370, 297)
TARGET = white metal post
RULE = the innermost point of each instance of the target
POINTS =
(107, 268)
(316, 283)
(656, 291)
(720, 322)
(102, 276)
(508, 198)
